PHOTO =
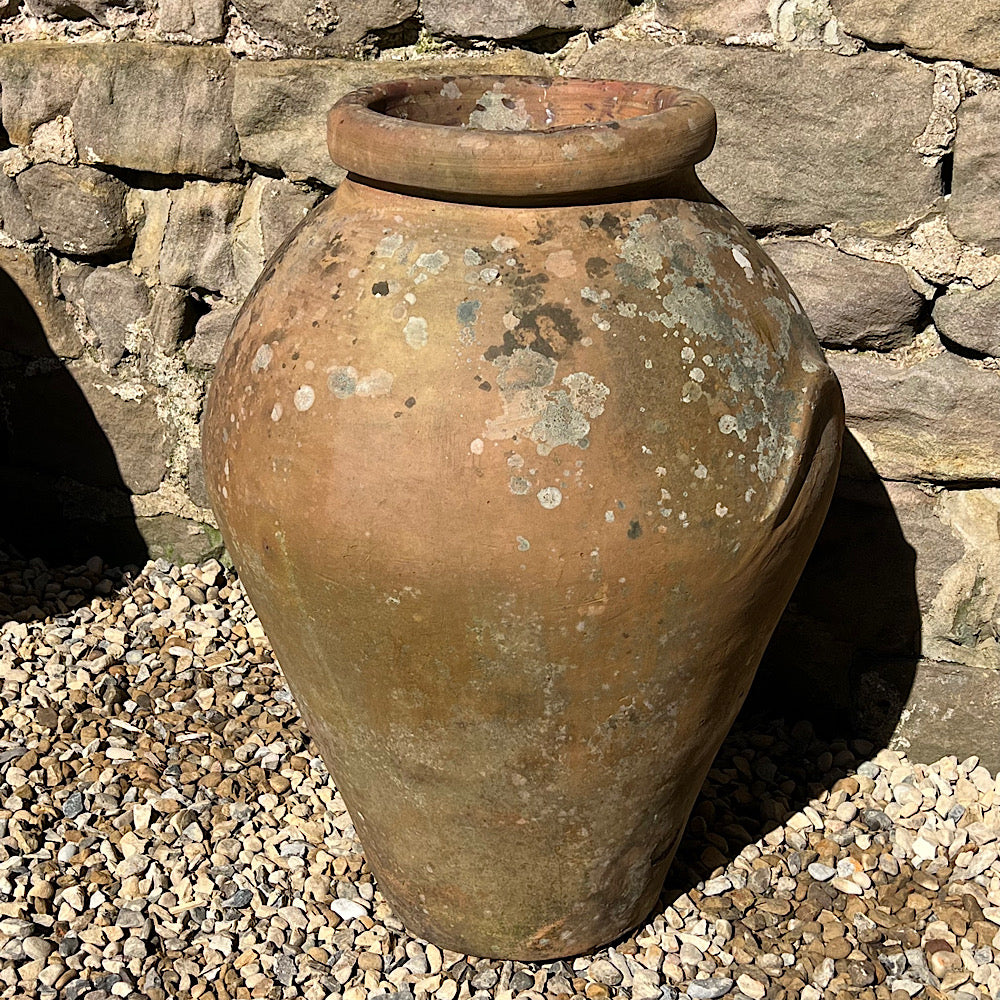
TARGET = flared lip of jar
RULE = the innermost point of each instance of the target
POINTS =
(518, 138)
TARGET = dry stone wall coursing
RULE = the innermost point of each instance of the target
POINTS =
(153, 155)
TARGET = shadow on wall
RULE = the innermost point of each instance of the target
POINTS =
(63, 496)
(831, 687)
(845, 652)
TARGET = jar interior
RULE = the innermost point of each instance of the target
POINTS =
(519, 104)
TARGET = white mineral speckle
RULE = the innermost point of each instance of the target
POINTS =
(549, 497)
(388, 245)
(687, 355)
(378, 383)
(276, 412)
(476, 447)
(744, 261)
(727, 423)
(304, 398)
(720, 510)
(415, 332)
(433, 262)
(262, 358)
(700, 472)
(504, 244)
(696, 375)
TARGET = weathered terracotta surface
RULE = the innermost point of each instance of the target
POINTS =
(520, 493)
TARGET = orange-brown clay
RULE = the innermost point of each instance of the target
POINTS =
(520, 445)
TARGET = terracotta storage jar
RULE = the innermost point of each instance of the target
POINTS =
(520, 444)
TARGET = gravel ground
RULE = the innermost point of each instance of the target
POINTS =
(168, 830)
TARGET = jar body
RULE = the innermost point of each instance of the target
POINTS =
(519, 496)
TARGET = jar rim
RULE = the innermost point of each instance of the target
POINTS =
(518, 138)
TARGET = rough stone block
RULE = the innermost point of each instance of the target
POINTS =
(38, 82)
(114, 300)
(35, 323)
(280, 107)
(805, 138)
(202, 20)
(140, 441)
(517, 18)
(951, 710)
(962, 618)
(171, 319)
(271, 210)
(937, 420)
(64, 420)
(15, 219)
(179, 539)
(974, 207)
(81, 210)
(210, 335)
(158, 108)
(321, 27)
(932, 29)
(971, 318)
(715, 18)
(851, 302)
(198, 238)
(79, 10)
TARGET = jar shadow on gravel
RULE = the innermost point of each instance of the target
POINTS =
(64, 498)
(830, 689)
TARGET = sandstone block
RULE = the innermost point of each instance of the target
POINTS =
(179, 539)
(64, 420)
(280, 107)
(932, 29)
(937, 420)
(202, 20)
(971, 318)
(198, 240)
(805, 138)
(35, 322)
(171, 318)
(271, 210)
(114, 300)
(516, 18)
(314, 28)
(962, 621)
(851, 302)
(15, 219)
(974, 207)
(158, 108)
(80, 210)
(210, 335)
(715, 18)
(140, 441)
(78, 10)
(945, 714)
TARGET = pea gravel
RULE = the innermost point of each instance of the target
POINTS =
(168, 830)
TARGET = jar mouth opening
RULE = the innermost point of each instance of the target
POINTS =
(520, 104)
(518, 138)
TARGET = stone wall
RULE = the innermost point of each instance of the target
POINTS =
(154, 154)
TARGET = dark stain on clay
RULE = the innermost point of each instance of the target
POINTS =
(634, 529)
(549, 330)
(410, 403)
(380, 288)
(597, 267)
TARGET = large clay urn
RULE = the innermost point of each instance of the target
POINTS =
(520, 444)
